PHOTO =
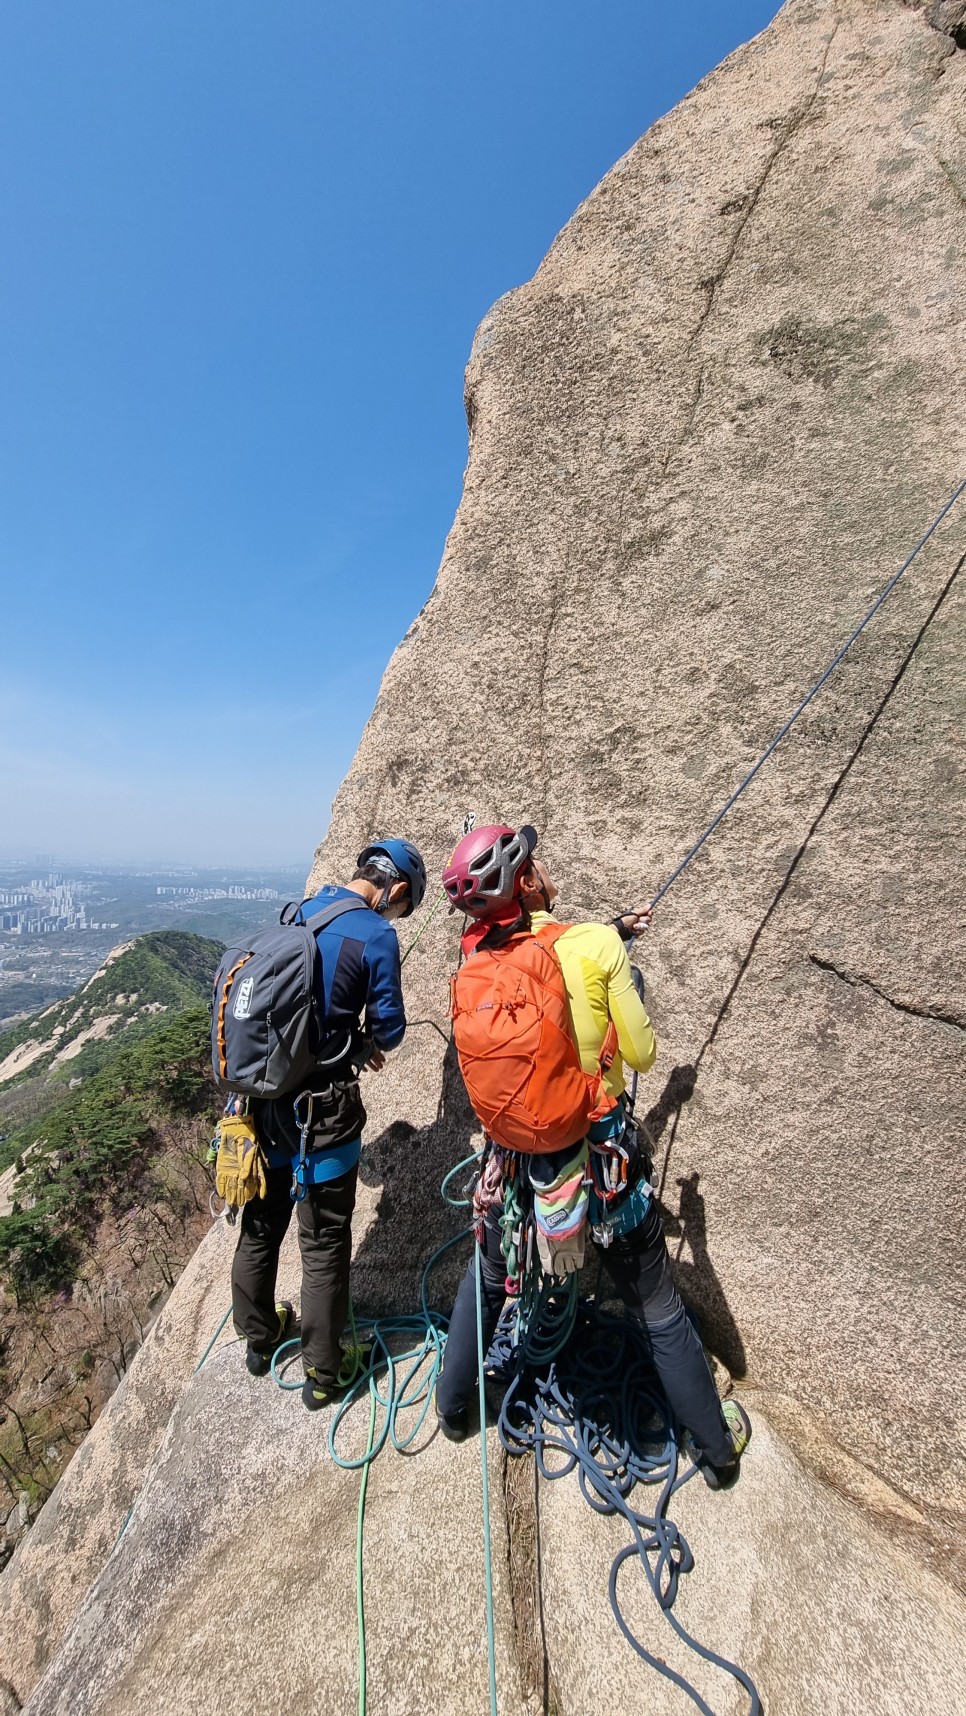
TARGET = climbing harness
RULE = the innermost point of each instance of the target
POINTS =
(833, 664)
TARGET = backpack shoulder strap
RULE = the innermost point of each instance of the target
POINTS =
(321, 919)
(550, 933)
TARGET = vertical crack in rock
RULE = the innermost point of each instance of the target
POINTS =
(833, 794)
(932, 1014)
(526, 1596)
(788, 131)
(952, 178)
(682, 1080)
(710, 285)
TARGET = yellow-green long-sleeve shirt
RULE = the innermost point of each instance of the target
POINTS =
(597, 977)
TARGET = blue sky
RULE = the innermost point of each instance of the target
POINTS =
(247, 243)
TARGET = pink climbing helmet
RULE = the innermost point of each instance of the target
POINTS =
(485, 867)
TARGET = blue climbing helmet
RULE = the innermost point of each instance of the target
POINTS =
(399, 861)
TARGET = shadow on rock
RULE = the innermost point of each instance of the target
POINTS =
(412, 1220)
(698, 1280)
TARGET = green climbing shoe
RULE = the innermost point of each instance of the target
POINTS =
(258, 1360)
(355, 1359)
(739, 1429)
(739, 1425)
(316, 1394)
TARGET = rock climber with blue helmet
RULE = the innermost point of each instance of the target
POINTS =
(360, 1001)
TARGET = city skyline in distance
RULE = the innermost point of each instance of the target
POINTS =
(25, 855)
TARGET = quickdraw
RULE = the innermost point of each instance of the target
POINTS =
(299, 1187)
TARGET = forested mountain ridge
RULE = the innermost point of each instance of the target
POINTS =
(105, 1115)
(139, 981)
(104, 1205)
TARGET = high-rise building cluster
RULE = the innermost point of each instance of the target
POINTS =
(235, 892)
(44, 906)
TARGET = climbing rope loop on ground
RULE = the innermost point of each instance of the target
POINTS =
(398, 1360)
(597, 1408)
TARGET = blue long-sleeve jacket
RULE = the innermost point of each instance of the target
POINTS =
(359, 980)
(360, 975)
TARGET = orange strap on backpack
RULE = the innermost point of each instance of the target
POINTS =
(222, 1008)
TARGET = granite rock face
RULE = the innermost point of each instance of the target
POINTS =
(701, 439)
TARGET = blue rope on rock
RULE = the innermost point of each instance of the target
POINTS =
(598, 1409)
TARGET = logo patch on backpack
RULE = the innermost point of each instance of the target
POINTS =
(243, 1000)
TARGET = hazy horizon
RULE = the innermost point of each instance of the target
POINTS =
(19, 857)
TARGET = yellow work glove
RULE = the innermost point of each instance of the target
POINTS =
(240, 1168)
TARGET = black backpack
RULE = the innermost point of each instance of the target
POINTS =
(267, 1033)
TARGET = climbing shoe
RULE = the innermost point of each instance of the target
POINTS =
(316, 1394)
(258, 1360)
(355, 1359)
(454, 1425)
(739, 1429)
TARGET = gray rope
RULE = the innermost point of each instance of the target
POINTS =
(937, 521)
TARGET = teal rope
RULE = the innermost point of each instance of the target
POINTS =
(401, 1388)
(213, 1340)
(360, 1594)
(487, 1556)
(464, 1202)
(543, 1317)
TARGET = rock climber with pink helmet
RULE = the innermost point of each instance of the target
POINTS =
(601, 1188)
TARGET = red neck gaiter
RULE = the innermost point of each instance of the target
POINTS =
(477, 928)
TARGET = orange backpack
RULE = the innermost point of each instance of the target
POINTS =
(520, 1065)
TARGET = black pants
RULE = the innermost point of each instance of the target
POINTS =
(641, 1271)
(325, 1242)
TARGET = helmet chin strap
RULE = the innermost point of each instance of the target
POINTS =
(546, 904)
